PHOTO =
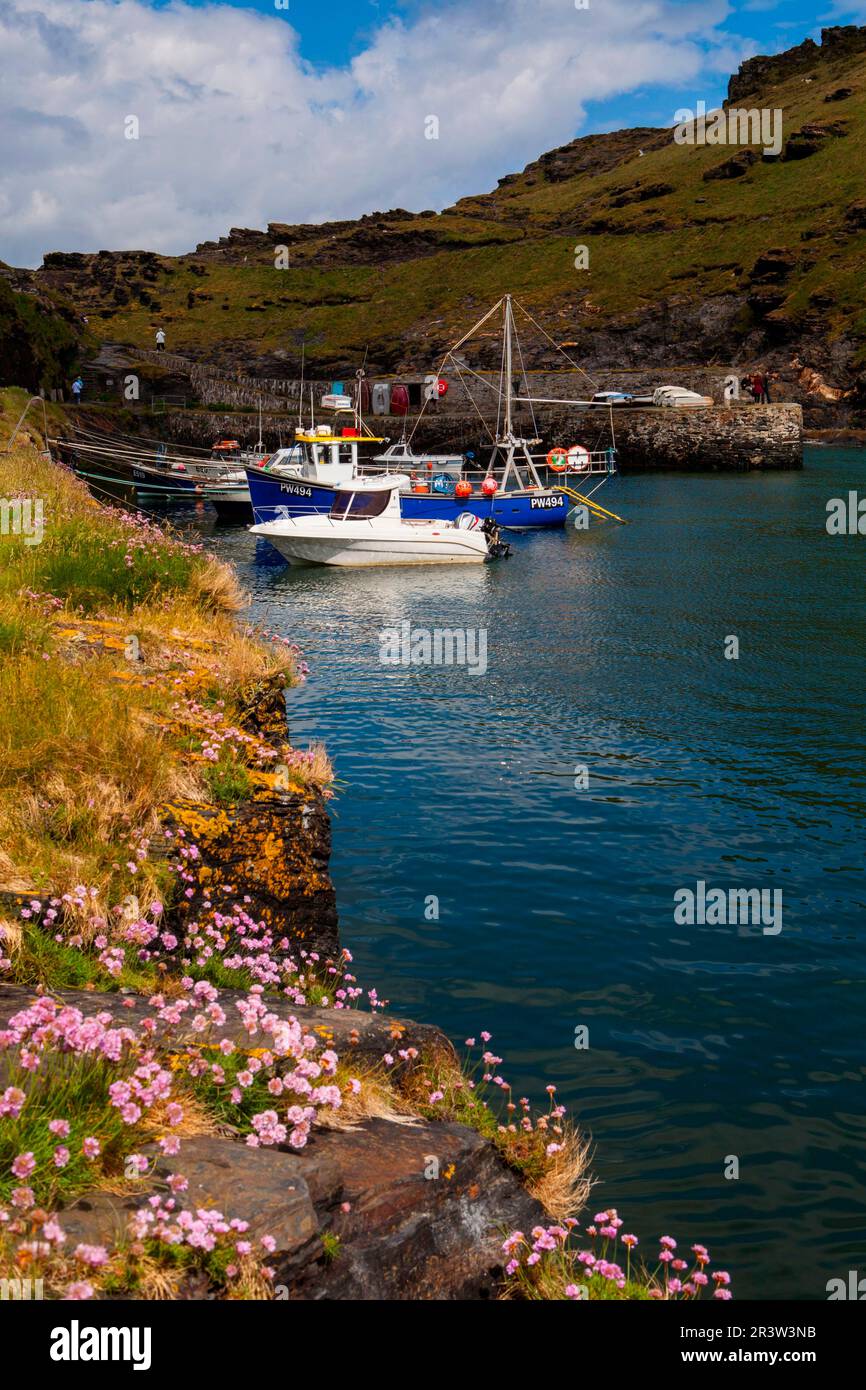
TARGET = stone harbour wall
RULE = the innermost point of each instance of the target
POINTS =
(729, 438)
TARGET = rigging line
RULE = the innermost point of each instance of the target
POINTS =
(526, 383)
(477, 375)
(501, 383)
(471, 398)
(574, 364)
(164, 522)
(131, 439)
(450, 350)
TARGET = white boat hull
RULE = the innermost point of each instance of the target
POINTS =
(400, 544)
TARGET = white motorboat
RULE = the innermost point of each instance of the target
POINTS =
(365, 527)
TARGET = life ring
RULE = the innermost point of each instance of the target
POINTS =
(579, 460)
(557, 459)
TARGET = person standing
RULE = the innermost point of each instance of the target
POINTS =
(160, 340)
(765, 388)
(77, 388)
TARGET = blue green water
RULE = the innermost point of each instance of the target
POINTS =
(556, 903)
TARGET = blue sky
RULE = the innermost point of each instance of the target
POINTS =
(245, 113)
(333, 32)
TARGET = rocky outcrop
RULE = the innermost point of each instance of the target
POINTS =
(396, 1208)
(733, 168)
(427, 1207)
(812, 138)
(270, 851)
(757, 74)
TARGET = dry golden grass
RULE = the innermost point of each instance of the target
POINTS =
(11, 937)
(376, 1100)
(156, 1282)
(215, 588)
(91, 743)
(564, 1188)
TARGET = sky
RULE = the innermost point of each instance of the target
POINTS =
(158, 124)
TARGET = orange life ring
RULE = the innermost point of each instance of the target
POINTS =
(558, 460)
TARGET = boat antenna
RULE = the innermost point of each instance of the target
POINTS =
(260, 446)
(301, 386)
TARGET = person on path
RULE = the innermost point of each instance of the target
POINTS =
(160, 340)
(765, 388)
(77, 388)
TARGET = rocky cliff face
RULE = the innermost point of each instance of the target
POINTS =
(757, 74)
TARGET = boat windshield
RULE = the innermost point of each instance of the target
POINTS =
(353, 506)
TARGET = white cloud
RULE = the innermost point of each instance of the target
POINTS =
(237, 130)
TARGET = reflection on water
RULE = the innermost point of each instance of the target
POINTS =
(605, 650)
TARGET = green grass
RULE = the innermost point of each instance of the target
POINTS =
(228, 780)
(41, 961)
(72, 1088)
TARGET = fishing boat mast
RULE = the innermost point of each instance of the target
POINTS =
(508, 361)
(508, 444)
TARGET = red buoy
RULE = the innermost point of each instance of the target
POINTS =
(463, 489)
(489, 487)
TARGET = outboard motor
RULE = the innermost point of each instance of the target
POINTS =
(497, 548)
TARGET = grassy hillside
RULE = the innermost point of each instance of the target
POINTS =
(678, 266)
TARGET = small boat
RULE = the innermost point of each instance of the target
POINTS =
(401, 458)
(364, 527)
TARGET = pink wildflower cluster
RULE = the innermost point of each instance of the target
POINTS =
(553, 1248)
(143, 537)
(162, 1219)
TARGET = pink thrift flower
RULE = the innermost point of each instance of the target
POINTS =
(78, 1291)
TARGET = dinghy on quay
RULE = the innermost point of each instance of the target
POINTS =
(364, 527)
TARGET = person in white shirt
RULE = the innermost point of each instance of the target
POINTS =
(160, 340)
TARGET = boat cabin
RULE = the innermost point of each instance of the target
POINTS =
(369, 498)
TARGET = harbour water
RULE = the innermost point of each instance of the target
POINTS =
(605, 651)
